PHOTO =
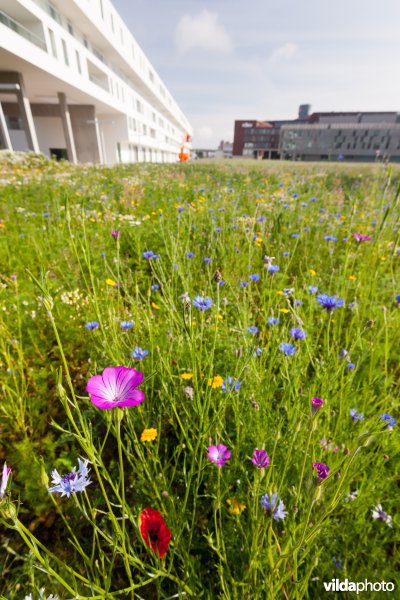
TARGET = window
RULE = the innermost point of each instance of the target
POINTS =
(53, 43)
(144, 129)
(102, 9)
(78, 62)
(54, 14)
(70, 28)
(65, 52)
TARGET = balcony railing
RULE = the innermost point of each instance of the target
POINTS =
(21, 30)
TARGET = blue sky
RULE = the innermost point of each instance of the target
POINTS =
(229, 59)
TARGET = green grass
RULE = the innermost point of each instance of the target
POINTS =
(59, 263)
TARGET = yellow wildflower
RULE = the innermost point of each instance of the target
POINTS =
(352, 278)
(216, 381)
(284, 310)
(312, 272)
(148, 435)
(186, 376)
(154, 305)
(111, 282)
(235, 507)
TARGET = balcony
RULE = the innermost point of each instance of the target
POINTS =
(22, 31)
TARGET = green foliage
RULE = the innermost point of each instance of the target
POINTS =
(59, 270)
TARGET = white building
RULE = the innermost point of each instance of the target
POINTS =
(75, 83)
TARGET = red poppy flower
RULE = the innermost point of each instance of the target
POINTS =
(155, 533)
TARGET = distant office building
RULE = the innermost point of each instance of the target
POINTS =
(358, 136)
(74, 83)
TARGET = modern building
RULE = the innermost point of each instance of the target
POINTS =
(358, 136)
(74, 83)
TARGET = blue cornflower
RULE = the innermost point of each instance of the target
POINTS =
(389, 420)
(355, 415)
(126, 324)
(287, 349)
(180, 209)
(189, 254)
(313, 289)
(273, 268)
(272, 320)
(350, 366)
(155, 286)
(330, 238)
(286, 253)
(398, 299)
(230, 385)
(253, 329)
(202, 303)
(260, 219)
(329, 302)
(150, 254)
(138, 353)
(92, 325)
(206, 259)
(297, 333)
(257, 352)
(338, 563)
(75, 481)
(254, 277)
(244, 284)
(273, 506)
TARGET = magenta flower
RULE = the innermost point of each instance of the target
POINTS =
(322, 470)
(115, 387)
(4, 480)
(260, 459)
(115, 233)
(361, 238)
(219, 454)
(316, 404)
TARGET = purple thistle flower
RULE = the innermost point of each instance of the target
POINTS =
(202, 303)
(329, 302)
(4, 479)
(272, 507)
(115, 233)
(322, 470)
(218, 454)
(316, 404)
(260, 458)
(287, 349)
(297, 333)
(115, 387)
(75, 481)
(361, 238)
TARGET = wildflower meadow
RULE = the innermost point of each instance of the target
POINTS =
(199, 372)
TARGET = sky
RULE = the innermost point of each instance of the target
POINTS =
(230, 59)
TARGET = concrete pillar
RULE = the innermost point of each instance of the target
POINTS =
(26, 115)
(68, 133)
(4, 135)
(86, 134)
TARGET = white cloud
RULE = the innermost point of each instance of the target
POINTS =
(202, 32)
(285, 52)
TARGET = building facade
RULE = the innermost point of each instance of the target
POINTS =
(75, 84)
(357, 136)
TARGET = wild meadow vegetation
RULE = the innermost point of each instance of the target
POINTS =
(199, 372)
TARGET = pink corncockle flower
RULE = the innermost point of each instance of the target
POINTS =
(115, 387)
(316, 404)
(4, 480)
(218, 454)
(260, 458)
(322, 470)
(115, 233)
(361, 238)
